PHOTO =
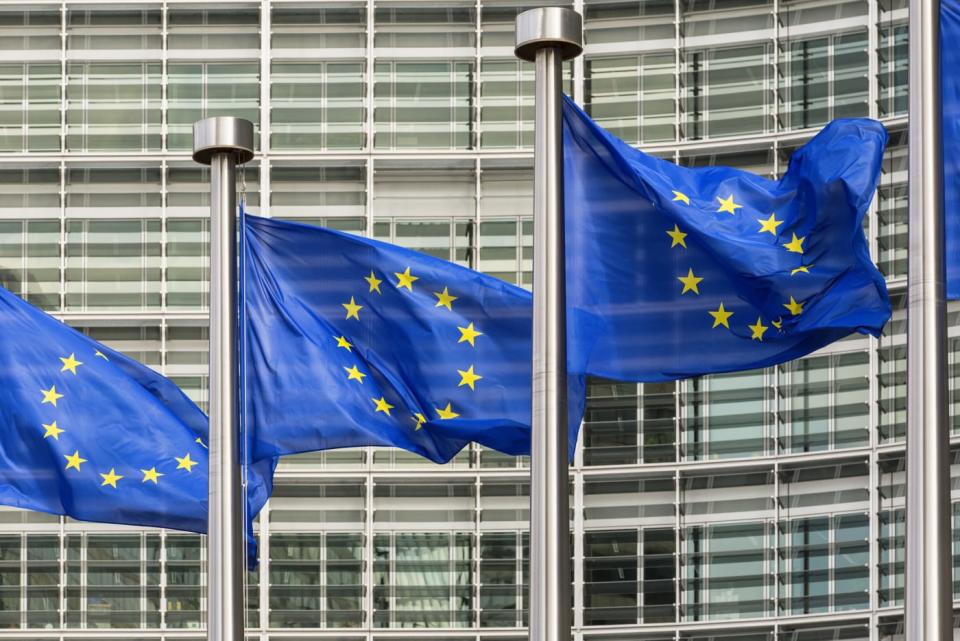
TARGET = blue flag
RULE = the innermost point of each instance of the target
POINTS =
(950, 93)
(92, 434)
(675, 272)
(671, 272)
(354, 342)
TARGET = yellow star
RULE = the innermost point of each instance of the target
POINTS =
(420, 419)
(185, 463)
(344, 343)
(727, 205)
(794, 307)
(802, 268)
(690, 283)
(770, 224)
(796, 244)
(74, 460)
(353, 310)
(382, 405)
(468, 377)
(151, 475)
(758, 329)
(100, 354)
(721, 317)
(778, 323)
(110, 478)
(199, 441)
(70, 364)
(52, 430)
(678, 237)
(50, 395)
(354, 374)
(374, 282)
(468, 334)
(682, 197)
(405, 279)
(446, 413)
(444, 299)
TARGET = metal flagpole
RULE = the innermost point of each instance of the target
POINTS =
(929, 589)
(223, 143)
(547, 37)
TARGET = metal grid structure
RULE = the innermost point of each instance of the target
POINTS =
(762, 505)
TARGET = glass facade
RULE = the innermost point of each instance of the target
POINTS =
(756, 506)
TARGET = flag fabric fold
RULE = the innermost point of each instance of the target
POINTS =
(675, 272)
(950, 117)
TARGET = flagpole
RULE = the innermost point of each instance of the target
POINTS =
(547, 37)
(223, 143)
(929, 589)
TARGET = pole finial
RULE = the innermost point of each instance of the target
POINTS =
(222, 133)
(549, 27)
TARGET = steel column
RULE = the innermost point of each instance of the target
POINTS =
(548, 36)
(223, 143)
(929, 590)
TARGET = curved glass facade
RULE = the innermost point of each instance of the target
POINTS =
(756, 506)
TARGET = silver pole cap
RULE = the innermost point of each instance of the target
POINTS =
(220, 134)
(549, 27)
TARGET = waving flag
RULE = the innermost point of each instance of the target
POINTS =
(92, 434)
(353, 342)
(675, 272)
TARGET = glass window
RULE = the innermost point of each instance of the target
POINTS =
(30, 107)
(184, 579)
(892, 76)
(30, 249)
(200, 90)
(113, 29)
(506, 104)
(892, 201)
(633, 97)
(423, 580)
(10, 580)
(417, 26)
(827, 79)
(131, 188)
(113, 106)
(317, 105)
(824, 402)
(628, 23)
(425, 104)
(892, 374)
(726, 416)
(213, 29)
(35, 30)
(502, 567)
(301, 192)
(728, 574)
(299, 28)
(112, 264)
(188, 262)
(727, 91)
(43, 581)
(316, 580)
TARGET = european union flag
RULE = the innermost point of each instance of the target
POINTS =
(675, 272)
(92, 434)
(354, 342)
(671, 272)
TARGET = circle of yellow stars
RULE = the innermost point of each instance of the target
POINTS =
(406, 280)
(770, 225)
(53, 431)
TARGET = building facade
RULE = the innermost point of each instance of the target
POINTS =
(758, 506)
